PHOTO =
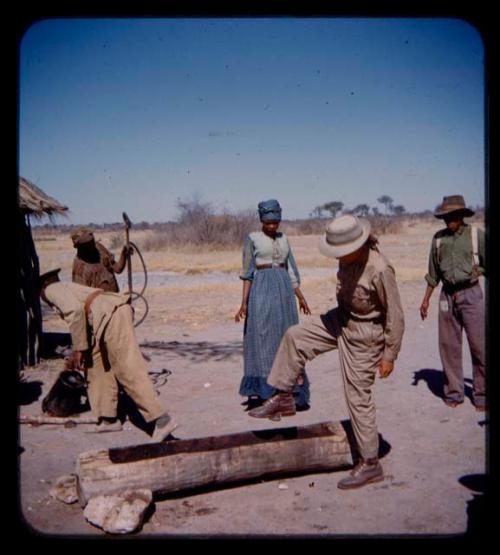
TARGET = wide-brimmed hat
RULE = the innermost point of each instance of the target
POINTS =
(82, 235)
(47, 276)
(453, 203)
(344, 235)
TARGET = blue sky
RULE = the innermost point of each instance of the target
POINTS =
(132, 114)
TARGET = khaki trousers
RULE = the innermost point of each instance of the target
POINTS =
(117, 359)
(360, 345)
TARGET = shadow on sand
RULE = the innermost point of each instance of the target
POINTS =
(55, 345)
(478, 513)
(198, 351)
(435, 382)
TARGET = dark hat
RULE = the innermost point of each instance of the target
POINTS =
(269, 210)
(453, 203)
(82, 235)
(47, 276)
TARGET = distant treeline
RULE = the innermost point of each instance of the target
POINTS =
(199, 224)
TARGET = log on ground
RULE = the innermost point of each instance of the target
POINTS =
(184, 464)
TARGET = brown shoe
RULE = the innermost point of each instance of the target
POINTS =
(281, 404)
(365, 472)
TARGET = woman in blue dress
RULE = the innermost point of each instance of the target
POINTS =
(271, 282)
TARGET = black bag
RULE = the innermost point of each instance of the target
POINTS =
(64, 397)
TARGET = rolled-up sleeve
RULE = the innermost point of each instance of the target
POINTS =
(293, 271)
(388, 293)
(433, 276)
(248, 268)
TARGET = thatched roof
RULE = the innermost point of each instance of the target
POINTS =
(32, 200)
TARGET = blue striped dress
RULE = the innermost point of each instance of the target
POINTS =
(272, 309)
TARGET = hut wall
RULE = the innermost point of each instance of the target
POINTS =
(30, 312)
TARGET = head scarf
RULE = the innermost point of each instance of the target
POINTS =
(269, 210)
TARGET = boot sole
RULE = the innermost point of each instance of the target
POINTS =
(275, 416)
(369, 481)
(165, 433)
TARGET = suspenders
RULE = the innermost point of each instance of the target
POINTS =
(474, 231)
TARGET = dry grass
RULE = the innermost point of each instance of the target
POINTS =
(200, 305)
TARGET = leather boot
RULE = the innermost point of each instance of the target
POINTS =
(366, 472)
(280, 404)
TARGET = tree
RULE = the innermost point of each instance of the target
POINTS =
(387, 201)
(399, 210)
(375, 211)
(361, 210)
(317, 212)
(333, 207)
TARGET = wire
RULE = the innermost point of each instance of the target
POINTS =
(133, 294)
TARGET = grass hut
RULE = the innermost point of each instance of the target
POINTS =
(32, 203)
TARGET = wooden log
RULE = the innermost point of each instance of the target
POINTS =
(184, 464)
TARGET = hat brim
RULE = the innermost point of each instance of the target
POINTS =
(46, 276)
(466, 212)
(348, 248)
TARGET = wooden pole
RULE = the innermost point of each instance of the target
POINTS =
(183, 464)
(43, 419)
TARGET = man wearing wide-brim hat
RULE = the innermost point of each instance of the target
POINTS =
(457, 259)
(367, 329)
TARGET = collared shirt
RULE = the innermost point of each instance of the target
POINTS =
(453, 262)
(259, 249)
(97, 274)
(69, 300)
(367, 290)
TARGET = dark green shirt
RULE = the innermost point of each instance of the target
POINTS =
(453, 262)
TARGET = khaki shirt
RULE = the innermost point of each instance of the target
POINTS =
(69, 300)
(453, 262)
(367, 290)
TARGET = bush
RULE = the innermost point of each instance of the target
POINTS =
(198, 225)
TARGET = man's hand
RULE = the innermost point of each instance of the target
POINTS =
(127, 250)
(424, 308)
(76, 360)
(385, 368)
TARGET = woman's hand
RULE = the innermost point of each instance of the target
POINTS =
(241, 314)
(303, 306)
(302, 301)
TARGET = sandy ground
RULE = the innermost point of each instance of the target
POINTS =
(434, 457)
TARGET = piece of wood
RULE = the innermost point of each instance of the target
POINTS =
(183, 464)
(43, 419)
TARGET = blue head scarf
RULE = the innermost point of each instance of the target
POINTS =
(269, 210)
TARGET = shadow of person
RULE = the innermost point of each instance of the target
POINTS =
(384, 447)
(477, 511)
(29, 392)
(433, 379)
(127, 407)
(435, 382)
(55, 345)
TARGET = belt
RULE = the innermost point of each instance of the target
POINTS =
(459, 286)
(266, 266)
(88, 301)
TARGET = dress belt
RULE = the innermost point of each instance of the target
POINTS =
(266, 266)
(88, 301)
